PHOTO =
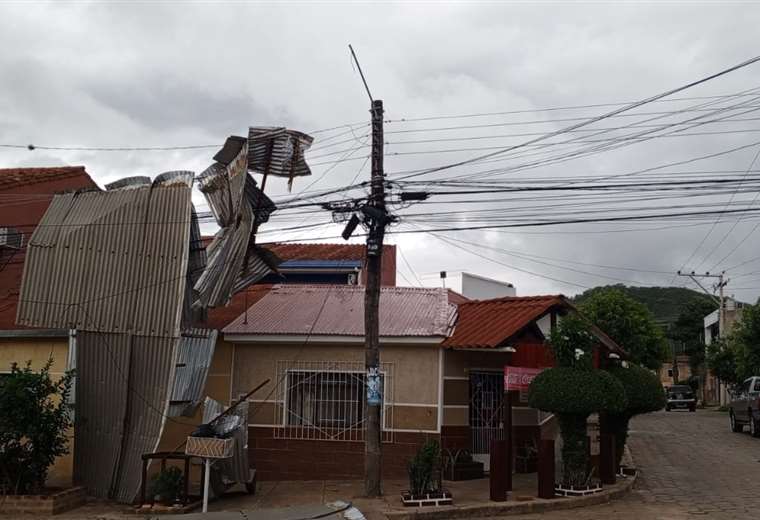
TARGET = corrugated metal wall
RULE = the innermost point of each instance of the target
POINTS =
(123, 384)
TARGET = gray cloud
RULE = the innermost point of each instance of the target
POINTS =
(163, 73)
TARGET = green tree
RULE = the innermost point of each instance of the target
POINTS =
(745, 342)
(34, 418)
(721, 359)
(630, 324)
(688, 330)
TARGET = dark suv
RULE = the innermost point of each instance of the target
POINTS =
(681, 396)
(745, 407)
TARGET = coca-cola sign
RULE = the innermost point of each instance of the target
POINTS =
(519, 378)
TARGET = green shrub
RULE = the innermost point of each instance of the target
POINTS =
(422, 468)
(34, 418)
(565, 390)
(573, 394)
(644, 394)
(167, 484)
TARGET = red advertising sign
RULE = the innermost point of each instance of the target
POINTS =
(519, 378)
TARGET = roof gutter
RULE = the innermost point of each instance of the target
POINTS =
(34, 333)
(496, 349)
(332, 338)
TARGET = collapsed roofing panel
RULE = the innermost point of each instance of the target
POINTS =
(112, 261)
(121, 406)
(194, 353)
(278, 151)
(239, 207)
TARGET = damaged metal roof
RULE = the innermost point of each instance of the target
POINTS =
(121, 406)
(112, 261)
(238, 206)
(192, 362)
(278, 151)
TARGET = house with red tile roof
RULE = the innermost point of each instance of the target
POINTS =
(488, 336)
(442, 362)
(25, 194)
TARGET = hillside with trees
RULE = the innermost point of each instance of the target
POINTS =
(665, 303)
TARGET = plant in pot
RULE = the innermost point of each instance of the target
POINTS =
(572, 391)
(166, 485)
(425, 478)
(644, 394)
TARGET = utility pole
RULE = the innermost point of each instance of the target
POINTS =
(720, 300)
(376, 219)
(722, 282)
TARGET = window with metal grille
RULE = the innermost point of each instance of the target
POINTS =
(325, 400)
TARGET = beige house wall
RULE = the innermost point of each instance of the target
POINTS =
(416, 376)
(456, 380)
(38, 351)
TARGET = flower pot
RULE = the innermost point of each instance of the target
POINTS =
(433, 498)
(576, 491)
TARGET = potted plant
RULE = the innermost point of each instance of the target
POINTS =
(425, 479)
(166, 485)
(573, 390)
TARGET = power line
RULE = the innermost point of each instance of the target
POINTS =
(596, 119)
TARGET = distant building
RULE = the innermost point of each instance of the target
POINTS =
(715, 391)
(476, 287)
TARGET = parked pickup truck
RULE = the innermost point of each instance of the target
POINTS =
(745, 407)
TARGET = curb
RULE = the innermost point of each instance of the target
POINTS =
(538, 505)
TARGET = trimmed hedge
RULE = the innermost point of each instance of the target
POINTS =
(568, 390)
(642, 388)
(645, 395)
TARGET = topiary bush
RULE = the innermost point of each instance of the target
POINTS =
(580, 392)
(573, 395)
(644, 394)
(34, 418)
(574, 390)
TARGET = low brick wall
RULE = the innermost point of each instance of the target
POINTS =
(43, 504)
(290, 459)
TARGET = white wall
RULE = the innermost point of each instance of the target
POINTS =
(481, 288)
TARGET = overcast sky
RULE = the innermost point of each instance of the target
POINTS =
(191, 73)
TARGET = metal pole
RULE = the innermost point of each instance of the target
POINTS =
(207, 463)
(376, 222)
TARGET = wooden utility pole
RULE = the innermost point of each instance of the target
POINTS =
(376, 219)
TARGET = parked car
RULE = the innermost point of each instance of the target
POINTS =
(681, 396)
(745, 407)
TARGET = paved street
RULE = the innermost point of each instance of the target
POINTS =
(691, 466)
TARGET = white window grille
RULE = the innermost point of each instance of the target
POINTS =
(325, 400)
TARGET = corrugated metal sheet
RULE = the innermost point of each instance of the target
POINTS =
(150, 375)
(339, 310)
(278, 151)
(194, 353)
(233, 198)
(236, 469)
(121, 406)
(489, 323)
(111, 261)
(101, 405)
